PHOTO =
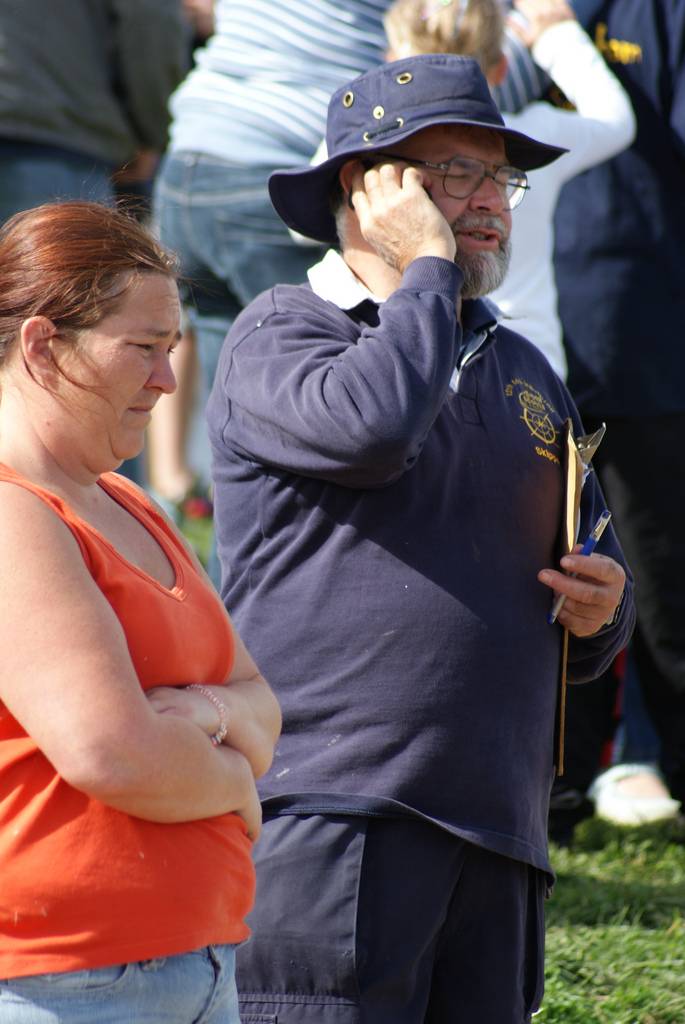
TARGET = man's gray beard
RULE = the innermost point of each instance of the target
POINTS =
(483, 271)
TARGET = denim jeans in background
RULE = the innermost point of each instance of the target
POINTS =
(31, 174)
(194, 988)
(231, 243)
(637, 741)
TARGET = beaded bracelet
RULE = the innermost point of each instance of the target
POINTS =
(220, 735)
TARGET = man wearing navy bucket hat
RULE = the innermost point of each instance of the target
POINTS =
(389, 489)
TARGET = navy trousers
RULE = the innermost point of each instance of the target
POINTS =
(364, 920)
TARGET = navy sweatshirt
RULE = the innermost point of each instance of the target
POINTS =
(380, 534)
(620, 226)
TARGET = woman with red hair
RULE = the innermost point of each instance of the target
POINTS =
(133, 722)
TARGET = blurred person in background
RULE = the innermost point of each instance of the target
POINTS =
(632, 791)
(133, 722)
(83, 93)
(256, 100)
(174, 475)
(601, 126)
(84, 88)
(618, 257)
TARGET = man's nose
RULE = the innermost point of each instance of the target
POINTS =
(489, 196)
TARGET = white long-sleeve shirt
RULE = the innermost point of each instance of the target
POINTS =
(603, 125)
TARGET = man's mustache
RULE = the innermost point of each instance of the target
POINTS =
(476, 222)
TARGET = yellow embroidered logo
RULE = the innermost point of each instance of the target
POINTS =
(535, 413)
(617, 51)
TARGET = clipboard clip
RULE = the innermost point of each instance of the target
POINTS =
(587, 445)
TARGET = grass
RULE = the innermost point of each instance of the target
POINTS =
(616, 927)
(616, 921)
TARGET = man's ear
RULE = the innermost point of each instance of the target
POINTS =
(36, 340)
(347, 173)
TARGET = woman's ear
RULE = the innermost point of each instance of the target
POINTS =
(36, 340)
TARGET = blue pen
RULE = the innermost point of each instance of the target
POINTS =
(587, 549)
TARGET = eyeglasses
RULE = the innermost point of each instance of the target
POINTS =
(463, 175)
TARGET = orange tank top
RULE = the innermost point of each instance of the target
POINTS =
(82, 884)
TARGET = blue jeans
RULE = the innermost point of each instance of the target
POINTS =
(194, 988)
(31, 174)
(637, 740)
(231, 243)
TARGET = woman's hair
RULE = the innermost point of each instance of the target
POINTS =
(71, 262)
(472, 28)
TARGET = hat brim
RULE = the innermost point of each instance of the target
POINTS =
(301, 195)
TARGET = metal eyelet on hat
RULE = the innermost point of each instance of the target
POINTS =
(366, 137)
(378, 112)
(348, 99)
(404, 77)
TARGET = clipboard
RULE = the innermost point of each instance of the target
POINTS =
(577, 456)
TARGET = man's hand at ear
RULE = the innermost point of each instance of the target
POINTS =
(397, 216)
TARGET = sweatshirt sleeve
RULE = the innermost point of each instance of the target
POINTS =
(305, 388)
(604, 122)
(150, 44)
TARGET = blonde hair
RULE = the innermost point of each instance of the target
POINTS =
(472, 28)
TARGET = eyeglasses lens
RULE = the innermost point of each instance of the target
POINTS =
(465, 176)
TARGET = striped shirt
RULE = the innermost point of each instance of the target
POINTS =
(259, 92)
(524, 82)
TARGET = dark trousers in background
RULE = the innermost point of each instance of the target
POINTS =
(641, 466)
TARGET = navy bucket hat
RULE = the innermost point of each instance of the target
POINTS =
(384, 106)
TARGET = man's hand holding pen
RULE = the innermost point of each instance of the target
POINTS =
(593, 592)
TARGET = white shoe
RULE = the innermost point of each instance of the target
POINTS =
(625, 807)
